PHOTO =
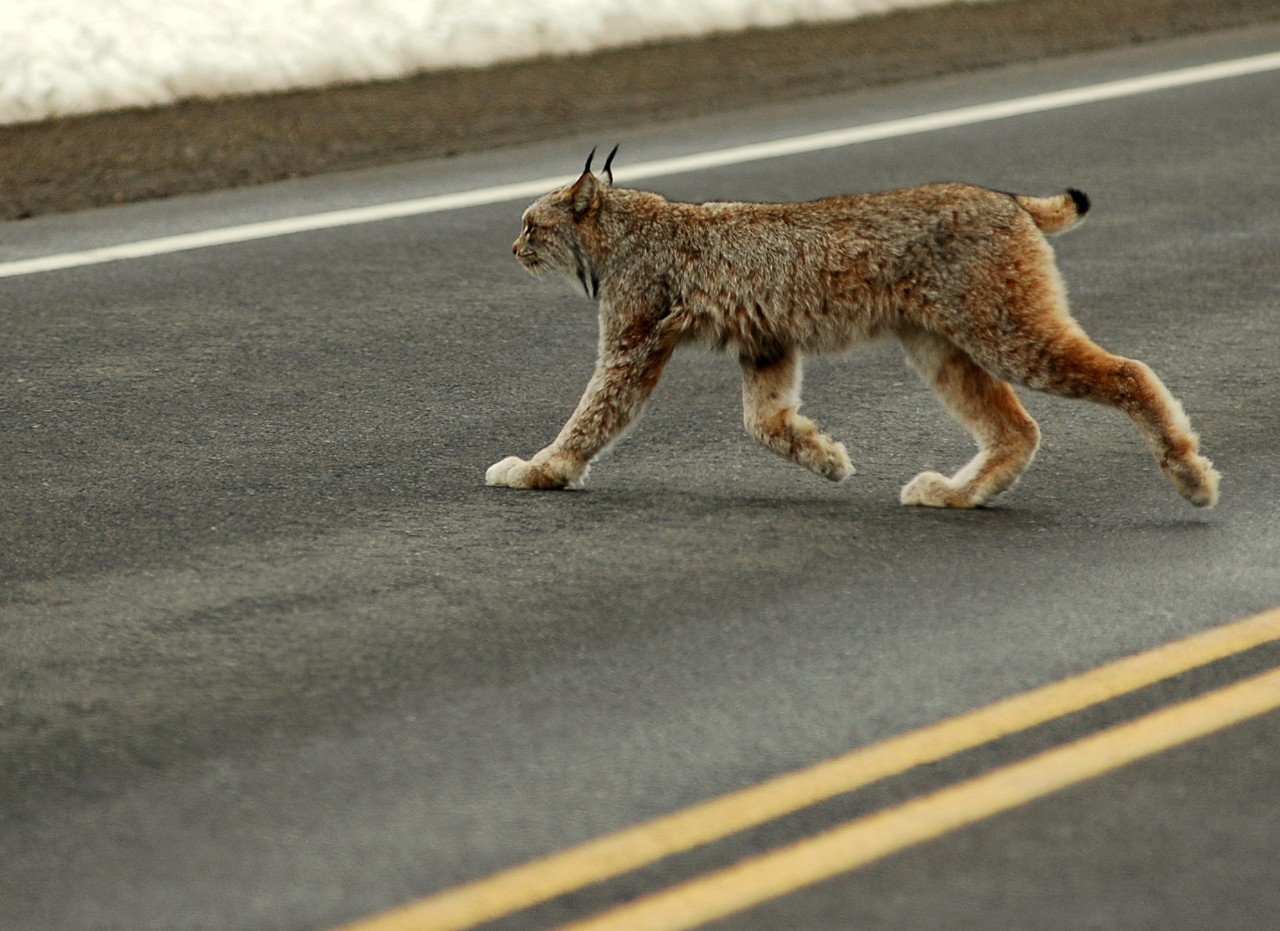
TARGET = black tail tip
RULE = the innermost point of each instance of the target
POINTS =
(1080, 199)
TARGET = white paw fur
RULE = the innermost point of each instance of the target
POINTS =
(512, 472)
(932, 490)
(836, 465)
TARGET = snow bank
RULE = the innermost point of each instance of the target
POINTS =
(60, 57)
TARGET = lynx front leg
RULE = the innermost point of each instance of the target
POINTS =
(624, 377)
(1007, 436)
(770, 398)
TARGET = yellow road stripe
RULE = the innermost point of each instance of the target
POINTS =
(631, 848)
(865, 840)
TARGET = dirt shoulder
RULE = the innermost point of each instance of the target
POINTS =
(205, 145)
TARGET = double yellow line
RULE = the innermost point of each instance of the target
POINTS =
(864, 840)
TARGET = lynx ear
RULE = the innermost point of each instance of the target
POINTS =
(585, 195)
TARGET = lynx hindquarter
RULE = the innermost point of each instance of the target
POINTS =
(962, 276)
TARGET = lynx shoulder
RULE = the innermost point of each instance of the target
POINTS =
(962, 276)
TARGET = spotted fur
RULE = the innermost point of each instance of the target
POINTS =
(962, 276)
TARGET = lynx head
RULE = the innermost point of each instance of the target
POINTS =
(554, 232)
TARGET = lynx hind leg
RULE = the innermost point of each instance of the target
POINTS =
(1007, 437)
(770, 399)
(1046, 349)
(1078, 368)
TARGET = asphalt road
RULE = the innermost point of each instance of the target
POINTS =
(273, 656)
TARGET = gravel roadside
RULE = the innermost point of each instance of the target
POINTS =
(133, 155)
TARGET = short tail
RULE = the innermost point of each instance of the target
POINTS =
(1056, 214)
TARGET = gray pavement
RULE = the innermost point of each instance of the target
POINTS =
(272, 656)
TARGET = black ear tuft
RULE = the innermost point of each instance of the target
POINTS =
(589, 158)
(608, 165)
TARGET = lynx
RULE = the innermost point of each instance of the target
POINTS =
(961, 275)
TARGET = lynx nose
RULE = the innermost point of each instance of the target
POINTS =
(515, 247)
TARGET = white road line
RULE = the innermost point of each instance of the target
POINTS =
(929, 122)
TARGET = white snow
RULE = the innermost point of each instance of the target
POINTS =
(61, 57)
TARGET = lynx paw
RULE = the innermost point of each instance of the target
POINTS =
(1196, 480)
(831, 460)
(933, 490)
(514, 472)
